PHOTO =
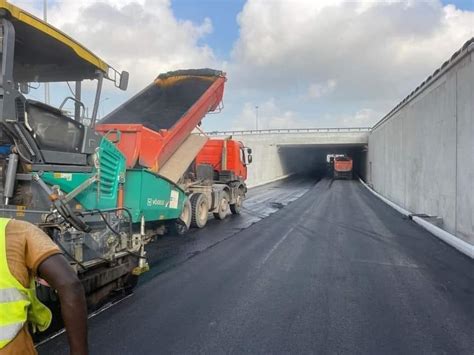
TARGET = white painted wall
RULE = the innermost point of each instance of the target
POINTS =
(421, 156)
(267, 164)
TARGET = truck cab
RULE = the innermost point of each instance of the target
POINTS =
(216, 182)
(229, 158)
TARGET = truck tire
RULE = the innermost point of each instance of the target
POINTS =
(182, 224)
(200, 210)
(223, 208)
(237, 206)
(130, 283)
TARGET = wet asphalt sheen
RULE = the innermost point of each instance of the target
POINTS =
(336, 271)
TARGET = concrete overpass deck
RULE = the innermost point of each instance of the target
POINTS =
(302, 136)
(281, 152)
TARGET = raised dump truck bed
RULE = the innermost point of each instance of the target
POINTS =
(153, 124)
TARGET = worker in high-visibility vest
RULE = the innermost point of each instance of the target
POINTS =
(26, 252)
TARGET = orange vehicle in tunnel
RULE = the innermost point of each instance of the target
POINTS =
(343, 166)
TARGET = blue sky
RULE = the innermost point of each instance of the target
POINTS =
(305, 63)
(462, 4)
(223, 15)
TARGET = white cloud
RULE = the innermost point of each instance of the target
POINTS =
(270, 116)
(362, 118)
(306, 62)
(315, 91)
(141, 36)
(372, 49)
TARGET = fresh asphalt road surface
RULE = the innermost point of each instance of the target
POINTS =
(168, 251)
(336, 271)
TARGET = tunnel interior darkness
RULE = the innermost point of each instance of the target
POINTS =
(311, 160)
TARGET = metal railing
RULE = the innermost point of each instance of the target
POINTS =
(288, 130)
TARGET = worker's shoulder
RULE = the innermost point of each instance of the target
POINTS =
(31, 242)
(18, 225)
(25, 230)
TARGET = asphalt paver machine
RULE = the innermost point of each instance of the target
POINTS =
(57, 172)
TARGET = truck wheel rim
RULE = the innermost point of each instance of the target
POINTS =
(224, 205)
(203, 210)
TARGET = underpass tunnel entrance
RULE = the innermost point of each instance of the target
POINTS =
(313, 159)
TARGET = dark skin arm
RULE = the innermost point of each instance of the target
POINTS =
(61, 277)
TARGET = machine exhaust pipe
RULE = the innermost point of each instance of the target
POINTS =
(10, 177)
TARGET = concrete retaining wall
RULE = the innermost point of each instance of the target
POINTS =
(421, 155)
(267, 163)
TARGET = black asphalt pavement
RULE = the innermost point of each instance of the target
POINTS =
(336, 271)
(170, 250)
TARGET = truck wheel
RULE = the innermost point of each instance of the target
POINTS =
(237, 206)
(223, 208)
(130, 283)
(200, 209)
(182, 224)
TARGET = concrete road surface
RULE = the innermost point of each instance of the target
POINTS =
(336, 271)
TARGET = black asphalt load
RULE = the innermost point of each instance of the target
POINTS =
(336, 271)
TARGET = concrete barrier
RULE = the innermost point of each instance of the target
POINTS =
(448, 238)
(421, 154)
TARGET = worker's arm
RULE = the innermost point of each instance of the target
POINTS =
(61, 277)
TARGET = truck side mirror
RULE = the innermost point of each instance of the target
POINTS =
(123, 83)
(249, 150)
(249, 159)
(24, 88)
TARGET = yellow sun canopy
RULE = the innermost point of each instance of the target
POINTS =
(45, 54)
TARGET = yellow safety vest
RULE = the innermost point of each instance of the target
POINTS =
(17, 303)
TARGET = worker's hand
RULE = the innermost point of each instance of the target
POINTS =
(61, 276)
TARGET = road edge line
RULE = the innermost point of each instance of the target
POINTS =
(451, 239)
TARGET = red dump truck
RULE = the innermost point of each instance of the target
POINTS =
(155, 129)
(342, 167)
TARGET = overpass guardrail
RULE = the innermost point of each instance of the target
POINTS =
(288, 130)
